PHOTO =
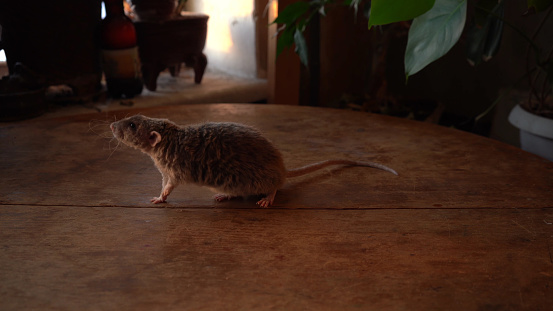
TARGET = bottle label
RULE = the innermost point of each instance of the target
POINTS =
(121, 63)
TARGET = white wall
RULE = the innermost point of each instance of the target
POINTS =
(230, 45)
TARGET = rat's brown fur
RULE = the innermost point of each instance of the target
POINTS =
(232, 158)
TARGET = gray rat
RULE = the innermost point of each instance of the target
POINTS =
(232, 158)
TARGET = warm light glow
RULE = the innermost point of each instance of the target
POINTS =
(230, 42)
(222, 16)
(274, 7)
(219, 37)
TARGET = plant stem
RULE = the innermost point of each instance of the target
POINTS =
(540, 96)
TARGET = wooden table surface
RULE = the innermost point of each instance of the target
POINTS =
(467, 224)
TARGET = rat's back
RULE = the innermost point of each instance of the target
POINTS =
(232, 158)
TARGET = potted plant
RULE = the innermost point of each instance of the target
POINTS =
(168, 37)
(436, 26)
(534, 116)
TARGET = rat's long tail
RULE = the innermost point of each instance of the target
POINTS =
(317, 166)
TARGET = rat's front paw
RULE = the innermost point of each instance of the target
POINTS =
(158, 200)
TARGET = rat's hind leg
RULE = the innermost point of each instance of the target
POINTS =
(268, 200)
(220, 197)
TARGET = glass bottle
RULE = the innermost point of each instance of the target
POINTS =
(120, 60)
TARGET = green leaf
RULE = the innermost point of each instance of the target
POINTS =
(493, 39)
(434, 33)
(301, 47)
(302, 24)
(390, 11)
(285, 39)
(322, 10)
(483, 40)
(476, 38)
(292, 12)
(482, 10)
(354, 4)
(539, 5)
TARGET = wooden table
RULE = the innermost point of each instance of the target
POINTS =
(467, 224)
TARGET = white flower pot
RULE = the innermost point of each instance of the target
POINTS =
(536, 132)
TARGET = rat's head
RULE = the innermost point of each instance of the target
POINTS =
(139, 132)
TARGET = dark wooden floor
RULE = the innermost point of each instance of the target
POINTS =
(467, 225)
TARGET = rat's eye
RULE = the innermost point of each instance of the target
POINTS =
(132, 125)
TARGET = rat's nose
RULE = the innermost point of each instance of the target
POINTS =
(111, 127)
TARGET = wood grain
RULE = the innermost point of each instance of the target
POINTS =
(467, 225)
(60, 258)
(66, 161)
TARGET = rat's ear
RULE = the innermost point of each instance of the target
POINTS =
(154, 138)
